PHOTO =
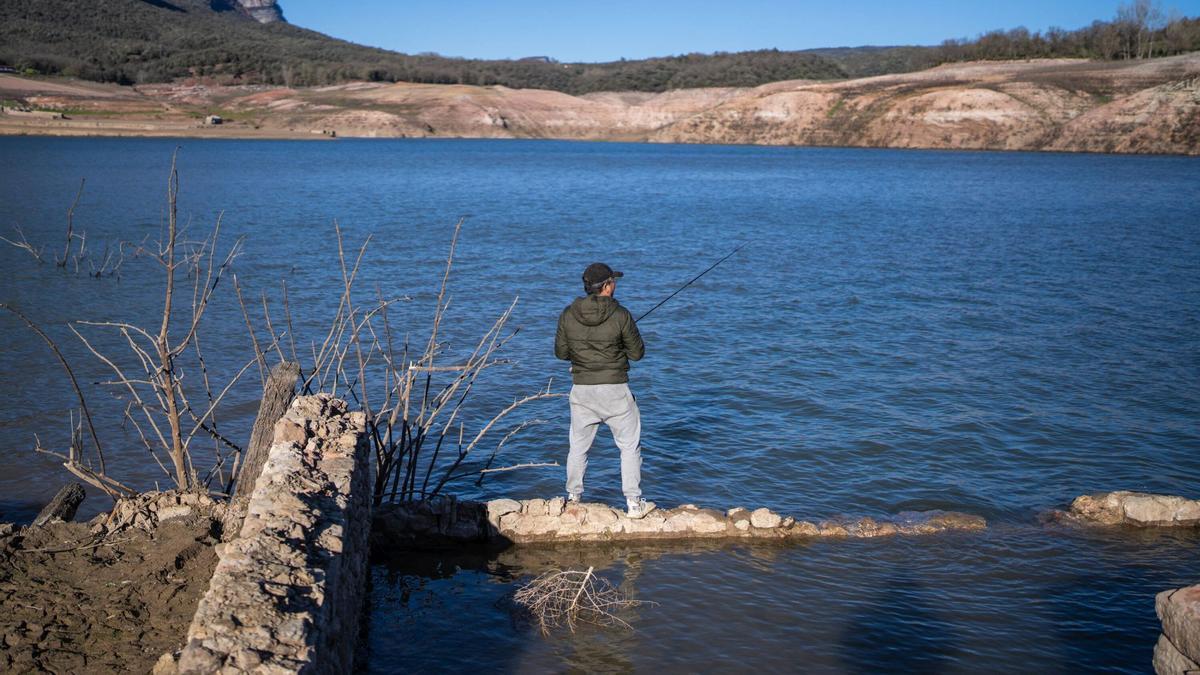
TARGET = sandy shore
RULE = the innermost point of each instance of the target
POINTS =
(13, 126)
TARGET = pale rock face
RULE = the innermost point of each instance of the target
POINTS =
(1170, 661)
(263, 11)
(1179, 611)
(764, 518)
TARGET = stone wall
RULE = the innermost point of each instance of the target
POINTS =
(1178, 648)
(287, 593)
(447, 520)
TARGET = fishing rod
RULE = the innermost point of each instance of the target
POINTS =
(714, 265)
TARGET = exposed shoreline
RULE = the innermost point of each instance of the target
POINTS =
(1062, 105)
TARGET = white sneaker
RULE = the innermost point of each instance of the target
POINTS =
(638, 509)
(574, 499)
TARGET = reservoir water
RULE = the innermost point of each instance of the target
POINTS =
(993, 333)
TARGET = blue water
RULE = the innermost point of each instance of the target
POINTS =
(986, 332)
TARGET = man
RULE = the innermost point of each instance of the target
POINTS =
(599, 337)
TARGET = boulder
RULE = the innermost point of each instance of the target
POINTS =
(765, 518)
(803, 528)
(1179, 611)
(708, 521)
(1136, 508)
(1170, 661)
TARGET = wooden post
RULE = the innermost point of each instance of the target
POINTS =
(63, 506)
(278, 393)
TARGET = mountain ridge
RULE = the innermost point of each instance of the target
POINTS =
(148, 41)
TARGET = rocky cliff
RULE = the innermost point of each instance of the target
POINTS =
(263, 11)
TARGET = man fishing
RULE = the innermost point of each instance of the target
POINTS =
(600, 337)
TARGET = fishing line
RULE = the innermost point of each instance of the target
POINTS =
(714, 265)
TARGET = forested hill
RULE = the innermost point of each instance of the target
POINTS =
(136, 41)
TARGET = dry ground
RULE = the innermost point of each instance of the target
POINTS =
(72, 604)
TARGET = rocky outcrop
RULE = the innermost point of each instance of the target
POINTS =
(1178, 648)
(262, 11)
(1133, 508)
(447, 521)
(288, 591)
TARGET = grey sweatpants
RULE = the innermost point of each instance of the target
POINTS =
(612, 404)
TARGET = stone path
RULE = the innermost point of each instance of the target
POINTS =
(553, 520)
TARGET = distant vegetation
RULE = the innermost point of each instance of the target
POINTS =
(139, 41)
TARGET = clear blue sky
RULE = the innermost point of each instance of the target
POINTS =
(571, 30)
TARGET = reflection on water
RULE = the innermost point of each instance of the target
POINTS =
(1034, 598)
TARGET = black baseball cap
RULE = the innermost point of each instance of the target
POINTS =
(598, 273)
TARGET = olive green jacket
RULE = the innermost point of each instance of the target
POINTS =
(599, 337)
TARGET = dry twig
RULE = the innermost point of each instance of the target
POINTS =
(568, 598)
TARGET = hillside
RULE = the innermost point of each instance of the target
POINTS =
(1149, 106)
(220, 42)
(142, 41)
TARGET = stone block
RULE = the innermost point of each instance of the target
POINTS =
(1179, 611)
(288, 431)
(165, 665)
(601, 514)
(1143, 509)
(765, 518)
(680, 521)
(508, 522)
(535, 526)
(534, 507)
(803, 528)
(1168, 660)
(652, 523)
(708, 521)
(831, 528)
(501, 507)
(1136, 508)
(172, 512)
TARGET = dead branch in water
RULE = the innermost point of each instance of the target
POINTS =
(74, 461)
(415, 405)
(568, 598)
(62, 262)
(158, 393)
(24, 245)
(110, 261)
